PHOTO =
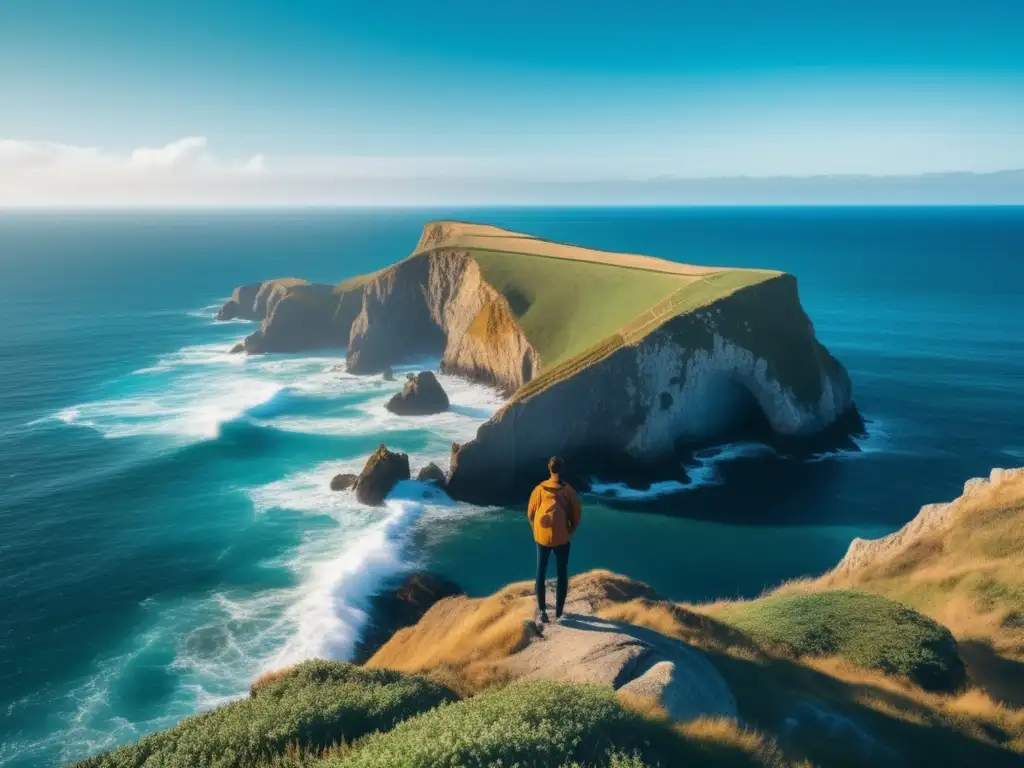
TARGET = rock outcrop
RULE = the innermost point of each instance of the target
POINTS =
(241, 305)
(631, 659)
(747, 366)
(344, 482)
(432, 474)
(585, 648)
(931, 519)
(383, 470)
(422, 395)
(726, 354)
(401, 607)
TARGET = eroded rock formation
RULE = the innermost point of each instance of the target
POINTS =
(383, 470)
(344, 482)
(730, 359)
(401, 607)
(422, 395)
(436, 304)
(747, 365)
(432, 474)
(866, 554)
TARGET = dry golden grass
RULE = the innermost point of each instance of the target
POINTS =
(968, 574)
(971, 726)
(648, 706)
(467, 236)
(721, 736)
(460, 639)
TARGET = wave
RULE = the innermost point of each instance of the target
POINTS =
(703, 475)
(339, 572)
(191, 411)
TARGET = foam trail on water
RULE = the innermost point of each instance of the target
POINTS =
(190, 393)
(704, 475)
(338, 573)
(192, 410)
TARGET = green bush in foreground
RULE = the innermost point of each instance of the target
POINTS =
(869, 630)
(315, 705)
(523, 725)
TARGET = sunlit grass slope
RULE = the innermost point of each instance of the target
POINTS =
(575, 304)
(546, 724)
(967, 573)
(309, 708)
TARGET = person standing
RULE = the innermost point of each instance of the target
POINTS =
(554, 513)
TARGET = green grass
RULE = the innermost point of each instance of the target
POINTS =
(315, 705)
(688, 298)
(868, 630)
(532, 724)
(565, 307)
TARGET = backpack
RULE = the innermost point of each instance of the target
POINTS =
(553, 504)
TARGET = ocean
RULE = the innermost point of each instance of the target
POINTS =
(166, 529)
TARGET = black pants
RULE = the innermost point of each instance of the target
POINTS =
(561, 566)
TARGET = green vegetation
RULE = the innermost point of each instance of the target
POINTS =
(691, 296)
(869, 630)
(311, 707)
(535, 724)
(566, 306)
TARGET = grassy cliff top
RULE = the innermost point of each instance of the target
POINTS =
(570, 300)
(967, 572)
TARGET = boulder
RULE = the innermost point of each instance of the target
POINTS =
(401, 607)
(344, 482)
(238, 348)
(388, 375)
(382, 471)
(587, 649)
(432, 474)
(422, 395)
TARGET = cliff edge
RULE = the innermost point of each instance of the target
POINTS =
(612, 360)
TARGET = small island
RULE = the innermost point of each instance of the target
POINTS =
(619, 362)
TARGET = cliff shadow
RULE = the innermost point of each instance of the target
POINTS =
(850, 722)
(1000, 677)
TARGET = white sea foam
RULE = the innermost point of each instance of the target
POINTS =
(190, 410)
(340, 571)
(704, 475)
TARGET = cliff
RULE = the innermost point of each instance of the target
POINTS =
(961, 562)
(609, 359)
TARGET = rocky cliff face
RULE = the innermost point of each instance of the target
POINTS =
(932, 518)
(747, 364)
(434, 304)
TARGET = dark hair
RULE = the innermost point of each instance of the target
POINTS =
(555, 465)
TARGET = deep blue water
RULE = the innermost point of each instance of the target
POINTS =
(165, 528)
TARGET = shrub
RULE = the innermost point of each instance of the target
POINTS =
(531, 724)
(311, 707)
(869, 630)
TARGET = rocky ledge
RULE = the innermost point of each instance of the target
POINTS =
(716, 355)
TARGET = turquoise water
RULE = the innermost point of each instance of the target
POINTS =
(166, 531)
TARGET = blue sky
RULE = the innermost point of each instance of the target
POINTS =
(561, 89)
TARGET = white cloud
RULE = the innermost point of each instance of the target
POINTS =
(17, 155)
(183, 152)
(187, 172)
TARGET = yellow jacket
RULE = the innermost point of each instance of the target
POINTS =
(554, 512)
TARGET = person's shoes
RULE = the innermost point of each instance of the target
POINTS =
(544, 617)
(559, 618)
